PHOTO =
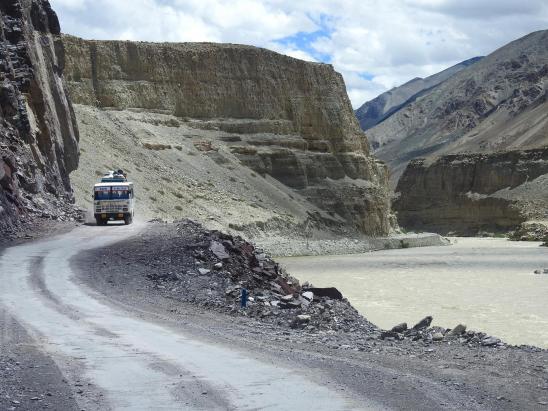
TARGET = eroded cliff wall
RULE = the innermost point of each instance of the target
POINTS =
(471, 193)
(279, 116)
(38, 133)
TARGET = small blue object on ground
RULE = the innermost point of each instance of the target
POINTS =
(243, 299)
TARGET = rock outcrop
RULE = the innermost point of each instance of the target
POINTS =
(280, 116)
(468, 194)
(383, 106)
(38, 133)
(499, 103)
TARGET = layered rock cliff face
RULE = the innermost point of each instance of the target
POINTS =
(383, 106)
(471, 193)
(498, 103)
(278, 116)
(38, 133)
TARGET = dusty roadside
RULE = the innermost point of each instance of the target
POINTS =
(35, 229)
(163, 283)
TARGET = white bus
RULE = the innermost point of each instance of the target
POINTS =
(113, 199)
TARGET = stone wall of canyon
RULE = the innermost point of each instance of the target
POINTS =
(279, 116)
(467, 194)
(38, 133)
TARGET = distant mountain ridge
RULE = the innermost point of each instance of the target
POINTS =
(386, 104)
(498, 103)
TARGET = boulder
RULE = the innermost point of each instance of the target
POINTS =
(309, 295)
(329, 292)
(400, 328)
(424, 323)
(490, 341)
(458, 330)
(219, 250)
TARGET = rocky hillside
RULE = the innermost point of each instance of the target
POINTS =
(226, 134)
(38, 133)
(467, 194)
(383, 106)
(499, 103)
(479, 142)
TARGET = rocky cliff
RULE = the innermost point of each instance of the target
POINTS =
(468, 194)
(383, 106)
(38, 133)
(498, 103)
(248, 107)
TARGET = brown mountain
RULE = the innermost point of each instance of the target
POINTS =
(499, 103)
(231, 135)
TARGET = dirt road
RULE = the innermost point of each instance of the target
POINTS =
(115, 360)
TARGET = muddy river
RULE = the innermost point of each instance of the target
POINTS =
(487, 284)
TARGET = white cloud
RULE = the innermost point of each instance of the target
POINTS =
(392, 41)
(291, 50)
(69, 4)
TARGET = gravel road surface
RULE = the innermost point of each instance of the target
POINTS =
(118, 361)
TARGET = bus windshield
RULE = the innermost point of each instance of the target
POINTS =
(112, 193)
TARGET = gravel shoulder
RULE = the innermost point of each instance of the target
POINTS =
(394, 374)
(35, 229)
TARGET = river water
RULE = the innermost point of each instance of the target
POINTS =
(486, 283)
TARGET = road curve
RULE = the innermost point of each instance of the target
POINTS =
(117, 361)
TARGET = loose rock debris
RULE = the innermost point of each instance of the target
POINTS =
(211, 268)
(215, 267)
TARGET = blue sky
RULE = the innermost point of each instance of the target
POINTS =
(375, 44)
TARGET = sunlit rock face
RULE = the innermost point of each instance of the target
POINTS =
(284, 117)
(470, 193)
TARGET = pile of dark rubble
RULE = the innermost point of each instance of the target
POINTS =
(429, 335)
(214, 268)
